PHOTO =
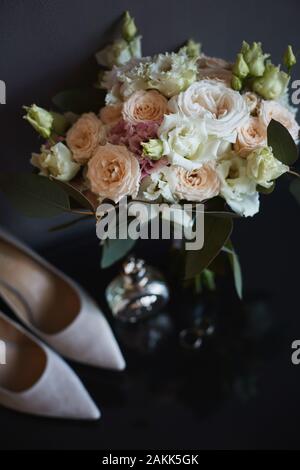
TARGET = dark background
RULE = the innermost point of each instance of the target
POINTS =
(47, 46)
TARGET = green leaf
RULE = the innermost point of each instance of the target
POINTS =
(74, 193)
(69, 224)
(216, 232)
(114, 250)
(236, 268)
(34, 195)
(282, 143)
(80, 100)
(263, 190)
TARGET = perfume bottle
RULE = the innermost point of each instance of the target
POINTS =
(137, 292)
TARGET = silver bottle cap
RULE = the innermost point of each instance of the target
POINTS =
(137, 292)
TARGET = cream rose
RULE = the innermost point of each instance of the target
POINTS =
(113, 172)
(195, 185)
(273, 110)
(185, 142)
(223, 110)
(250, 136)
(84, 136)
(214, 68)
(145, 106)
(111, 114)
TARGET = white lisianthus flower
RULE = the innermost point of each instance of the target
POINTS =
(223, 109)
(171, 73)
(264, 168)
(56, 162)
(157, 186)
(186, 143)
(121, 82)
(285, 101)
(237, 188)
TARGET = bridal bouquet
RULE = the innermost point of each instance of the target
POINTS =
(175, 127)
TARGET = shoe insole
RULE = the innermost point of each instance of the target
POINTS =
(50, 302)
(25, 360)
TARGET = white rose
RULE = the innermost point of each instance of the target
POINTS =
(185, 142)
(273, 110)
(237, 188)
(223, 109)
(56, 162)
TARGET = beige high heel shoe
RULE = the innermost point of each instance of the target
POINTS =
(35, 380)
(55, 308)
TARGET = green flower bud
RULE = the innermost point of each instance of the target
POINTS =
(117, 53)
(153, 149)
(255, 58)
(272, 84)
(40, 119)
(135, 47)
(240, 68)
(193, 49)
(289, 58)
(129, 28)
(236, 83)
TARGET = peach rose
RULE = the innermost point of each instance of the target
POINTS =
(113, 172)
(250, 136)
(222, 75)
(205, 61)
(274, 110)
(196, 185)
(84, 136)
(111, 114)
(145, 106)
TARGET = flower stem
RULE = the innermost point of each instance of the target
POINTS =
(294, 173)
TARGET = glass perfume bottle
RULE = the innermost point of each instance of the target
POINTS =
(137, 292)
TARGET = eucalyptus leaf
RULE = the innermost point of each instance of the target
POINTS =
(75, 194)
(236, 268)
(34, 195)
(69, 224)
(114, 250)
(282, 143)
(217, 230)
(80, 101)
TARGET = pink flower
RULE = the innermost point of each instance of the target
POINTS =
(131, 135)
(148, 166)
